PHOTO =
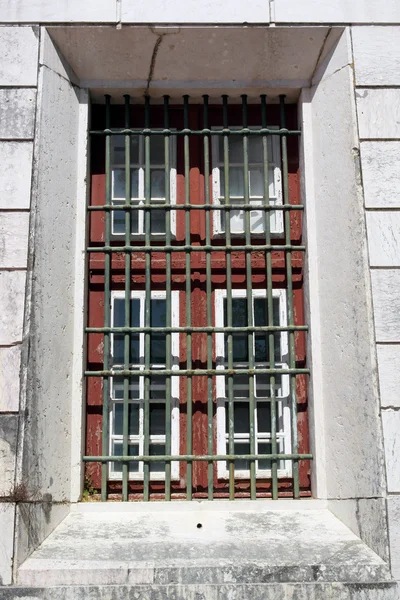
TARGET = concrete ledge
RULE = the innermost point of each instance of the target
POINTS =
(246, 591)
(201, 547)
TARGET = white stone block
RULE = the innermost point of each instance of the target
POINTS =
(374, 63)
(192, 11)
(45, 11)
(380, 162)
(337, 11)
(19, 51)
(15, 174)
(383, 228)
(391, 437)
(386, 300)
(378, 113)
(7, 515)
(389, 374)
(394, 534)
(14, 233)
(12, 301)
(10, 361)
(17, 113)
(8, 450)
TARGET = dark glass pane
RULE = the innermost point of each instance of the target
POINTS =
(133, 419)
(264, 448)
(263, 417)
(242, 448)
(157, 183)
(118, 387)
(157, 221)
(157, 342)
(119, 321)
(157, 387)
(157, 419)
(157, 149)
(133, 451)
(157, 450)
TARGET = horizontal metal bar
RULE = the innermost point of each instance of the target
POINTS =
(192, 457)
(195, 372)
(189, 207)
(258, 329)
(204, 248)
(187, 131)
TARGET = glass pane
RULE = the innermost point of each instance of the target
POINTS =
(264, 448)
(237, 221)
(263, 417)
(241, 386)
(133, 419)
(242, 418)
(261, 340)
(118, 221)
(118, 183)
(157, 387)
(257, 224)
(117, 451)
(236, 185)
(157, 419)
(235, 149)
(157, 342)
(157, 450)
(118, 388)
(256, 181)
(157, 183)
(118, 149)
(157, 149)
(255, 149)
(157, 221)
(119, 321)
(242, 448)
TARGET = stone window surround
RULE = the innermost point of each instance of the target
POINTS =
(347, 469)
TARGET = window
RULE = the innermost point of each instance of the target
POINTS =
(196, 336)
(256, 183)
(233, 405)
(157, 385)
(137, 182)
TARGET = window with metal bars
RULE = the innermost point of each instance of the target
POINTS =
(196, 372)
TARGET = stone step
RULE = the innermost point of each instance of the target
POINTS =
(228, 591)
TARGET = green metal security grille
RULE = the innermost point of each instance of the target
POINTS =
(128, 216)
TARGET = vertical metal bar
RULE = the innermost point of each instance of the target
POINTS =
(249, 297)
(188, 289)
(206, 144)
(290, 310)
(270, 306)
(107, 308)
(168, 290)
(127, 337)
(147, 301)
(231, 431)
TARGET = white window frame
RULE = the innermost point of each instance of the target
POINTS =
(140, 200)
(274, 160)
(139, 439)
(283, 406)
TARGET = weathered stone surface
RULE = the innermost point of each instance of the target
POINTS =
(10, 359)
(15, 174)
(19, 55)
(191, 11)
(389, 375)
(380, 163)
(383, 230)
(394, 534)
(8, 449)
(337, 11)
(7, 514)
(378, 113)
(43, 11)
(373, 64)
(12, 299)
(163, 547)
(17, 112)
(391, 435)
(386, 295)
(14, 230)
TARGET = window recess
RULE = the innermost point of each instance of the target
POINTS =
(197, 374)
